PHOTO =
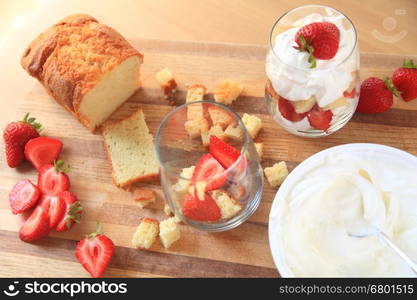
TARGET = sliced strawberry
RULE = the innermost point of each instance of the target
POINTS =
(36, 226)
(23, 196)
(210, 171)
(225, 154)
(54, 206)
(95, 252)
(72, 212)
(287, 110)
(350, 94)
(201, 210)
(52, 179)
(42, 150)
(320, 119)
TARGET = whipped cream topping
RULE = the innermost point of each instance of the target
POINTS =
(289, 69)
(342, 194)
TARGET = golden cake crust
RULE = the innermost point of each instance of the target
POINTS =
(71, 57)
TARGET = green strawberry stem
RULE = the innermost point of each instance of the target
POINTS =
(390, 86)
(74, 213)
(305, 47)
(97, 232)
(59, 167)
(409, 64)
(31, 121)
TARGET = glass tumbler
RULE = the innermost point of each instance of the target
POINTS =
(180, 155)
(308, 100)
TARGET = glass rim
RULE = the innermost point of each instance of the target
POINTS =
(246, 138)
(317, 6)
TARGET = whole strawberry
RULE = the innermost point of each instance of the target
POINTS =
(376, 95)
(319, 39)
(16, 135)
(405, 80)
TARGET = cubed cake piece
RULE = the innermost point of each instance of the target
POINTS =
(146, 233)
(143, 197)
(259, 149)
(195, 93)
(234, 133)
(276, 174)
(86, 66)
(253, 124)
(220, 117)
(168, 210)
(130, 149)
(194, 128)
(184, 182)
(169, 232)
(216, 130)
(227, 92)
(228, 206)
(304, 106)
(167, 82)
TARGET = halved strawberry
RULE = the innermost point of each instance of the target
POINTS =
(95, 252)
(210, 171)
(225, 154)
(72, 212)
(36, 226)
(320, 119)
(201, 210)
(350, 94)
(42, 150)
(52, 179)
(23, 196)
(287, 110)
(54, 206)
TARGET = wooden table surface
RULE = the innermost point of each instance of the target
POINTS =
(155, 26)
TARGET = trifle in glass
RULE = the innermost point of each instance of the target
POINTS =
(210, 171)
(313, 71)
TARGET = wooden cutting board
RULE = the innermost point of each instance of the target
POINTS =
(241, 252)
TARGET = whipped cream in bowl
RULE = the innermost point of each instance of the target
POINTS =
(338, 191)
(333, 85)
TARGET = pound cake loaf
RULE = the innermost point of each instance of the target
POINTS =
(85, 66)
(130, 150)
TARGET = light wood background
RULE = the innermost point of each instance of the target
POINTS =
(232, 36)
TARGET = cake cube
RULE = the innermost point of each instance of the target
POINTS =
(169, 232)
(276, 174)
(304, 106)
(143, 197)
(194, 128)
(220, 117)
(216, 130)
(259, 149)
(228, 206)
(253, 124)
(146, 233)
(184, 182)
(195, 93)
(167, 210)
(234, 133)
(227, 92)
(167, 82)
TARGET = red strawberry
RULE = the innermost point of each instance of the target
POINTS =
(319, 39)
(42, 150)
(208, 169)
(16, 135)
(72, 212)
(287, 110)
(52, 179)
(54, 206)
(36, 226)
(23, 196)
(95, 252)
(201, 210)
(319, 119)
(350, 94)
(376, 95)
(225, 154)
(405, 80)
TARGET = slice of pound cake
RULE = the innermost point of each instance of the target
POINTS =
(130, 149)
(85, 66)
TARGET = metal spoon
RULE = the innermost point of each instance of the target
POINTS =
(389, 243)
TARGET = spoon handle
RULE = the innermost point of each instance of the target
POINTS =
(401, 253)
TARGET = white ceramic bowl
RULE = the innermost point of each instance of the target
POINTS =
(277, 209)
